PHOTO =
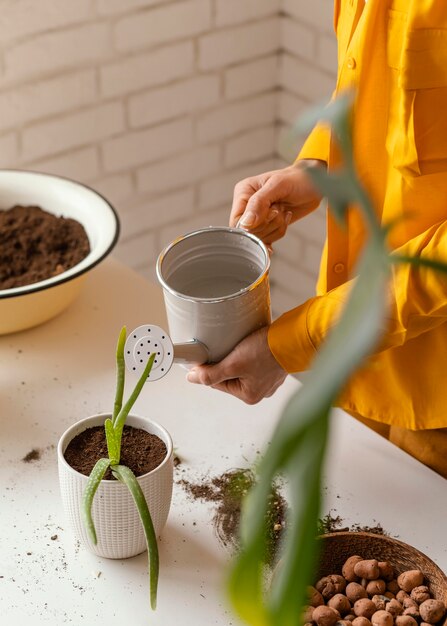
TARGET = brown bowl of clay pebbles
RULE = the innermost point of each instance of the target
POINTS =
(366, 579)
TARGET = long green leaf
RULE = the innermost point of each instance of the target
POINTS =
(337, 187)
(96, 475)
(433, 264)
(361, 322)
(299, 554)
(335, 114)
(298, 444)
(112, 445)
(245, 585)
(126, 475)
(120, 374)
(247, 581)
(122, 415)
(306, 409)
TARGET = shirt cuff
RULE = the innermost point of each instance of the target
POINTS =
(289, 339)
(317, 144)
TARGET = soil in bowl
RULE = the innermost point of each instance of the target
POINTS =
(36, 245)
(140, 451)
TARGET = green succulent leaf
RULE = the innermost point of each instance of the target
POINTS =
(122, 415)
(96, 475)
(112, 445)
(120, 374)
(126, 476)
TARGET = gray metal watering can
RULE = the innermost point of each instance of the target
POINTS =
(216, 292)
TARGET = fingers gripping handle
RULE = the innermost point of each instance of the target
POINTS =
(147, 339)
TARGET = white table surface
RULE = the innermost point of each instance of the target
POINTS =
(55, 374)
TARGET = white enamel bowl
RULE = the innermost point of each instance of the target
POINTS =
(30, 305)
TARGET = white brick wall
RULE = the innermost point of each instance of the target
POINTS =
(218, 49)
(162, 24)
(82, 164)
(237, 11)
(232, 119)
(160, 66)
(40, 100)
(73, 130)
(180, 170)
(9, 149)
(24, 18)
(110, 7)
(317, 14)
(247, 79)
(134, 148)
(55, 51)
(186, 96)
(163, 105)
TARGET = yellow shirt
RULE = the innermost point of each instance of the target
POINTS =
(394, 53)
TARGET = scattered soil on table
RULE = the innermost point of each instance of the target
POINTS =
(140, 451)
(377, 529)
(227, 492)
(33, 455)
(177, 460)
(35, 245)
(334, 524)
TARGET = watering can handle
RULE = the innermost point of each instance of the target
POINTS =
(193, 351)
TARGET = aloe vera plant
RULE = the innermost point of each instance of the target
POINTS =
(298, 444)
(114, 429)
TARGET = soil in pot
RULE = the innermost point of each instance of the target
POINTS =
(36, 245)
(140, 451)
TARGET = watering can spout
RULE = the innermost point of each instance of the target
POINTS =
(148, 339)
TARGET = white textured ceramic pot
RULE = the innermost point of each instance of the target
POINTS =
(118, 528)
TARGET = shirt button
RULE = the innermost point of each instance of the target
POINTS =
(351, 63)
(339, 268)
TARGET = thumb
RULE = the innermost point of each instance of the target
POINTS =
(257, 209)
(206, 374)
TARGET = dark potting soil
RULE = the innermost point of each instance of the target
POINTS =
(32, 455)
(227, 492)
(35, 245)
(334, 524)
(140, 451)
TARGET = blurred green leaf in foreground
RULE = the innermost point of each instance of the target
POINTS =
(297, 449)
